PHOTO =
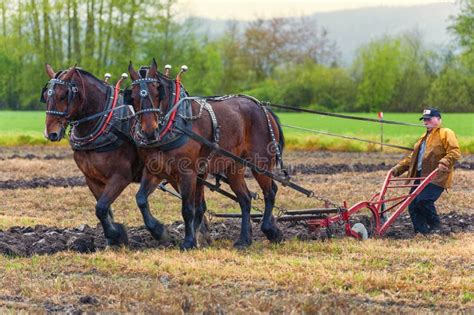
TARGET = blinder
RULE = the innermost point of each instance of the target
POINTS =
(42, 98)
(127, 97)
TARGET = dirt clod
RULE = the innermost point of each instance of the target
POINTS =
(88, 299)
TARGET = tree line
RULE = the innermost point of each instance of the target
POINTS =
(289, 61)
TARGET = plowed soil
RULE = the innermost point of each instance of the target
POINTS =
(27, 241)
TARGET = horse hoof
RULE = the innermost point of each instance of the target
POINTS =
(186, 245)
(242, 244)
(120, 237)
(160, 233)
(274, 235)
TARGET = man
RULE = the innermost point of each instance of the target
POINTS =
(436, 148)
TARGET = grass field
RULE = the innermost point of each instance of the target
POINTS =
(27, 128)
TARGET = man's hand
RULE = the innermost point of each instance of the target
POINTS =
(442, 167)
(393, 171)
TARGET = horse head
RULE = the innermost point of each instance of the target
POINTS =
(148, 93)
(61, 95)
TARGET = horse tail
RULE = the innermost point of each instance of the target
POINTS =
(281, 140)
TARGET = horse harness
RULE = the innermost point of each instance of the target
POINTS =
(108, 133)
(214, 146)
(178, 114)
(101, 136)
(215, 130)
(264, 107)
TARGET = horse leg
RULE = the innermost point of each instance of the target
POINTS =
(97, 189)
(147, 185)
(200, 222)
(188, 196)
(115, 233)
(269, 188)
(199, 204)
(239, 187)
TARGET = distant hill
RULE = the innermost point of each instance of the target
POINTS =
(353, 28)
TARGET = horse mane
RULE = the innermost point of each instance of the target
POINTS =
(89, 75)
(164, 80)
(81, 71)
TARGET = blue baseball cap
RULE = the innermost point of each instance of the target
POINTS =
(430, 112)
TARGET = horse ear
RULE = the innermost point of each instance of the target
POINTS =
(49, 70)
(133, 74)
(69, 73)
(153, 69)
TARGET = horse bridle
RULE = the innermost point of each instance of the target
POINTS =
(144, 94)
(71, 93)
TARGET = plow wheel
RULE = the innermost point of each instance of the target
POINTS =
(360, 229)
(364, 224)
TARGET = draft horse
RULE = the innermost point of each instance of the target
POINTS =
(100, 138)
(245, 129)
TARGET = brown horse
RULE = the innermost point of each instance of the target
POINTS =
(103, 150)
(245, 129)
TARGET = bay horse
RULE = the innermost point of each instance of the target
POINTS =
(103, 149)
(245, 129)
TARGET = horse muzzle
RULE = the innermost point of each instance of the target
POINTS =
(151, 136)
(56, 135)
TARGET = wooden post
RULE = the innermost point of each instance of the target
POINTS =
(381, 130)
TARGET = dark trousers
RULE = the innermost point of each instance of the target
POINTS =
(422, 209)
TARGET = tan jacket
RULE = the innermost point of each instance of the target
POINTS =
(441, 147)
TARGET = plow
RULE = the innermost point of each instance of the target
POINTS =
(383, 209)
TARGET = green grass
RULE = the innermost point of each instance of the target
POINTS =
(22, 128)
(462, 124)
(26, 128)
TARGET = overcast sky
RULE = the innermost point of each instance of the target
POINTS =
(252, 9)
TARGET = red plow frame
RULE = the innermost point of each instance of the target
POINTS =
(376, 205)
